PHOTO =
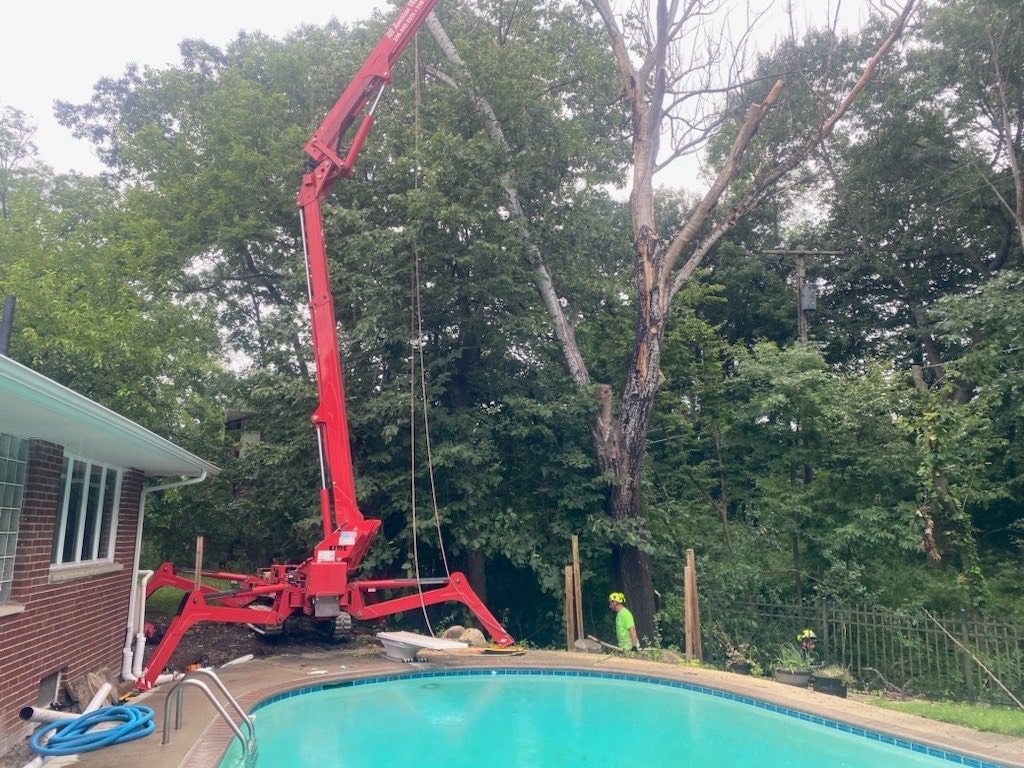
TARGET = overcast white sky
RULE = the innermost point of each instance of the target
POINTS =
(57, 50)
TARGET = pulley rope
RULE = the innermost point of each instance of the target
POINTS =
(416, 351)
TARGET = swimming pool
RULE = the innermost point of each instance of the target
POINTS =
(526, 718)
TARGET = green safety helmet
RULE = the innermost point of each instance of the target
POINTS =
(616, 597)
(807, 634)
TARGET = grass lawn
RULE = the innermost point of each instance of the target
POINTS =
(164, 603)
(980, 717)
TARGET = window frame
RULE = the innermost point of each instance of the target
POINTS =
(98, 502)
(13, 473)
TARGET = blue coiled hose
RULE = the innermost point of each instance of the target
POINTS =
(72, 736)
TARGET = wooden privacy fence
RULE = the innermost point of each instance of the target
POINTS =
(928, 654)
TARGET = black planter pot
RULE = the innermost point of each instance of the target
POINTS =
(833, 686)
(741, 667)
(800, 678)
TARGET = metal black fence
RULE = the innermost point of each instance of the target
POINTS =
(914, 651)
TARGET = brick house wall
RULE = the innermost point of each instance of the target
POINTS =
(71, 623)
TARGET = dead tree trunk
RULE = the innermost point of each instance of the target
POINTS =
(651, 88)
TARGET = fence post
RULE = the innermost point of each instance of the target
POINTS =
(577, 587)
(824, 630)
(965, 657)
(570, 613)
(709, 623)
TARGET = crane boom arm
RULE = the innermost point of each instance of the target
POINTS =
(337, 494)
(324, 145)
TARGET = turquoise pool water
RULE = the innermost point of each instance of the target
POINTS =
(556, 719)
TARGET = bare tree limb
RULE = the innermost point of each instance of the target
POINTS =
(761, 186)
(977, 661)
(755, 115)
(564, 331)
(1017, 209)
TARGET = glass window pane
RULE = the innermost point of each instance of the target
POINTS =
(88, 513)
(109, 505)
(13, 457)
(76, 494)
(92, 513)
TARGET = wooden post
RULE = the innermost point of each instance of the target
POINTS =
(199, 562)
(570, 613)
(698, 643)
(694, 644)
(687, 613)
(577, 586)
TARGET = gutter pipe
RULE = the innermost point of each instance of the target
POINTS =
(131, 660)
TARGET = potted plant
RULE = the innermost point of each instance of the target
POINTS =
(832, 680)
(739, 657)
(792, 666)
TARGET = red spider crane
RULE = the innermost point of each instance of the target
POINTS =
(320, 587)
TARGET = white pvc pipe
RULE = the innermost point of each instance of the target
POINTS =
(140, 608)
(131, 661)
(239, 660)
(39, 715)
(95, 703)
(140, 654)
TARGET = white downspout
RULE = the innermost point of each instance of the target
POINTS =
(139, 623)
(131, 660)
(136, 616)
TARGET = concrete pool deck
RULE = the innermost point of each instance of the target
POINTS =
(204, 736)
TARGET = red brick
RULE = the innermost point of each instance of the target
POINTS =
(76, 625)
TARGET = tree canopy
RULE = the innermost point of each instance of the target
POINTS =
(625, 367)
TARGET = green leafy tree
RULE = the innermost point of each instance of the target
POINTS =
(654, 53)
(975, 443)
(978, 47)
(221, 184)
(17, 152)
(92, 315)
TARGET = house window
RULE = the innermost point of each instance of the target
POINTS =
(87, 514)
(13, 458)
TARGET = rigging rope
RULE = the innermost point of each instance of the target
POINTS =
(413, 341)
(416, 351)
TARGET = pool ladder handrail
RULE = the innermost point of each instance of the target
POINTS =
(178, 690)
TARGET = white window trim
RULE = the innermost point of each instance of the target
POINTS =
(79, 566)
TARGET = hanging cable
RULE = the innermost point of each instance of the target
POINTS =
(416, 352)
(419, 332)
(426, 437)
(415, 340)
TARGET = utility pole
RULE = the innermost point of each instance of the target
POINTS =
(6, 324)
(804, 299)
(803, 303)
